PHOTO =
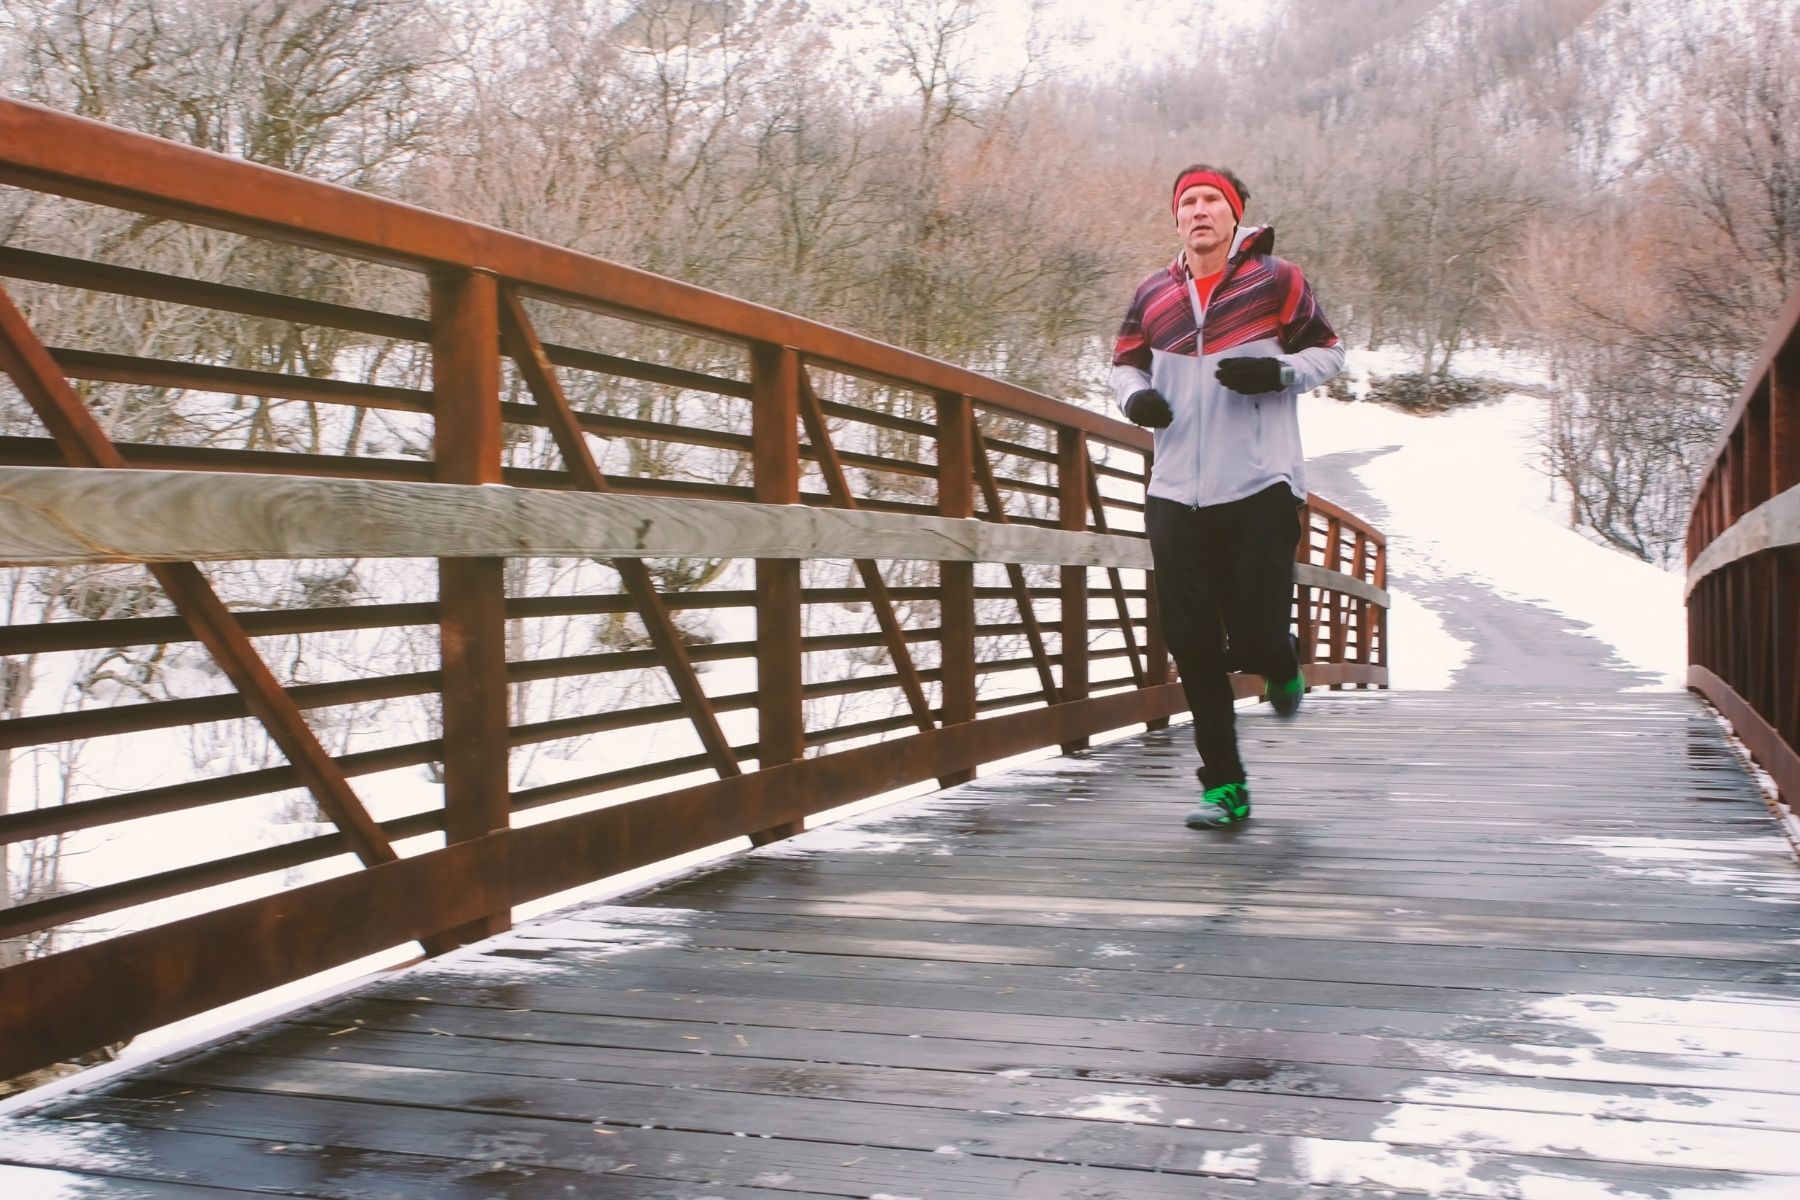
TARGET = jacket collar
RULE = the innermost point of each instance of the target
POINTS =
(1251, 239)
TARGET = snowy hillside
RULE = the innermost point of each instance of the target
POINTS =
(1465, 505)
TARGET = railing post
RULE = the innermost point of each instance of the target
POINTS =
(1381, 612)
(775, 458)
(956, 580)
(465, 384)
(1338, 604)
(1784, 583)
(1156, 645)
(1360, 568)
(1072, 468)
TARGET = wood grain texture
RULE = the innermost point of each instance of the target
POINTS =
(1775, 522)
(1040, 986)
(51, 515)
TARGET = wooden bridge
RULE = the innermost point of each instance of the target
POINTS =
(1476, 943)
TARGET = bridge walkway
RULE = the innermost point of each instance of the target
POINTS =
(1473, 944)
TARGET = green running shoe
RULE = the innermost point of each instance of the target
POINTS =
(1284, 698)
(1227, 804)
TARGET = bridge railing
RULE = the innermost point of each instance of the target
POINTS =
(1743, 551)
(479, 522)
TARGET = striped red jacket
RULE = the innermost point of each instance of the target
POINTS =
(1223, 445)
(1261, 296)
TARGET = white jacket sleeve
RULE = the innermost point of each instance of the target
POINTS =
(1128, 380)
(1312, 366)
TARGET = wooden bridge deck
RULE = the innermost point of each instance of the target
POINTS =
(1473, 944)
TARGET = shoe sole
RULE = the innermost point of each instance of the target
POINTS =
(1203, 824)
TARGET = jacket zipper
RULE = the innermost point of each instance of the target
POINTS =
(1200, 393)
(1200, 312)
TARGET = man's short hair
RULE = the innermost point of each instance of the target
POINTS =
(1229, 175)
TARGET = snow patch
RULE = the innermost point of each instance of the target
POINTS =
(35, 1183)
(491, 957)
(1245, 1160)
(1769, 1029)
(68, 1146)
(1325, 1162)
(1426, 656)
(625, 914)
(1698, 862)
(832, 840)
(1116, 1106)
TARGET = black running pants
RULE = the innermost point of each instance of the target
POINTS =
(1225, 584)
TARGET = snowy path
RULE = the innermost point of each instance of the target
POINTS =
(1491, 586)
(1510, 643)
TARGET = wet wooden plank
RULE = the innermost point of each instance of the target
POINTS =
(586, 1047)
(1470, 946)
(686, 1163)
(945, 1010)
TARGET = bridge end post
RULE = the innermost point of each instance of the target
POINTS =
(465, 368)
(775, 460)
(1072, 467)
(956, 580)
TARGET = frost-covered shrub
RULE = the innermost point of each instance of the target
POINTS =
(1414, 391)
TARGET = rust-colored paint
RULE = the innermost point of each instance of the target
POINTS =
(1115, 578)
(1743, 644)
(1072, 468)
(956, 581)
(57, 1006)
(1015, 574)
(831, 466)
(478, 278)
(80, 437)
(780, 675)
(521, 343)
(465, 385)
(71, 156)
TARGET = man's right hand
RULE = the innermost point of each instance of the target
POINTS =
(1149, 409)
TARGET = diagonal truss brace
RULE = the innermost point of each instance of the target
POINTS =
(521, 344)
(85, 444)
(812, 414)
(996, 512)
(1097, 506)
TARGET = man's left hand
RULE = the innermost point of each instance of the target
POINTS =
(1254, 376)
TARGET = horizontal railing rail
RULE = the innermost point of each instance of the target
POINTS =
(502, 529)
(1743, 553)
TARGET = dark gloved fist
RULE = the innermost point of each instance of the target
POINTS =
(1253, 376)
(1149, 409)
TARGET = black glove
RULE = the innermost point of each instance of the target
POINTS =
(1149, 409)
(1253, 376)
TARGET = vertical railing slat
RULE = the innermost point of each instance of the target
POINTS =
(1072, 466)
(465, 398)
(956, 580)
(775, 453)
(1156, 643)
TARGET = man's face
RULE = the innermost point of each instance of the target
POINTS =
(1203, 216)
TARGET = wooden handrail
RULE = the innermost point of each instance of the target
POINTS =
(936, 510)
(48, 151)
(1743, 553)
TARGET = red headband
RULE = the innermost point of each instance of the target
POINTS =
(1212, 179)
